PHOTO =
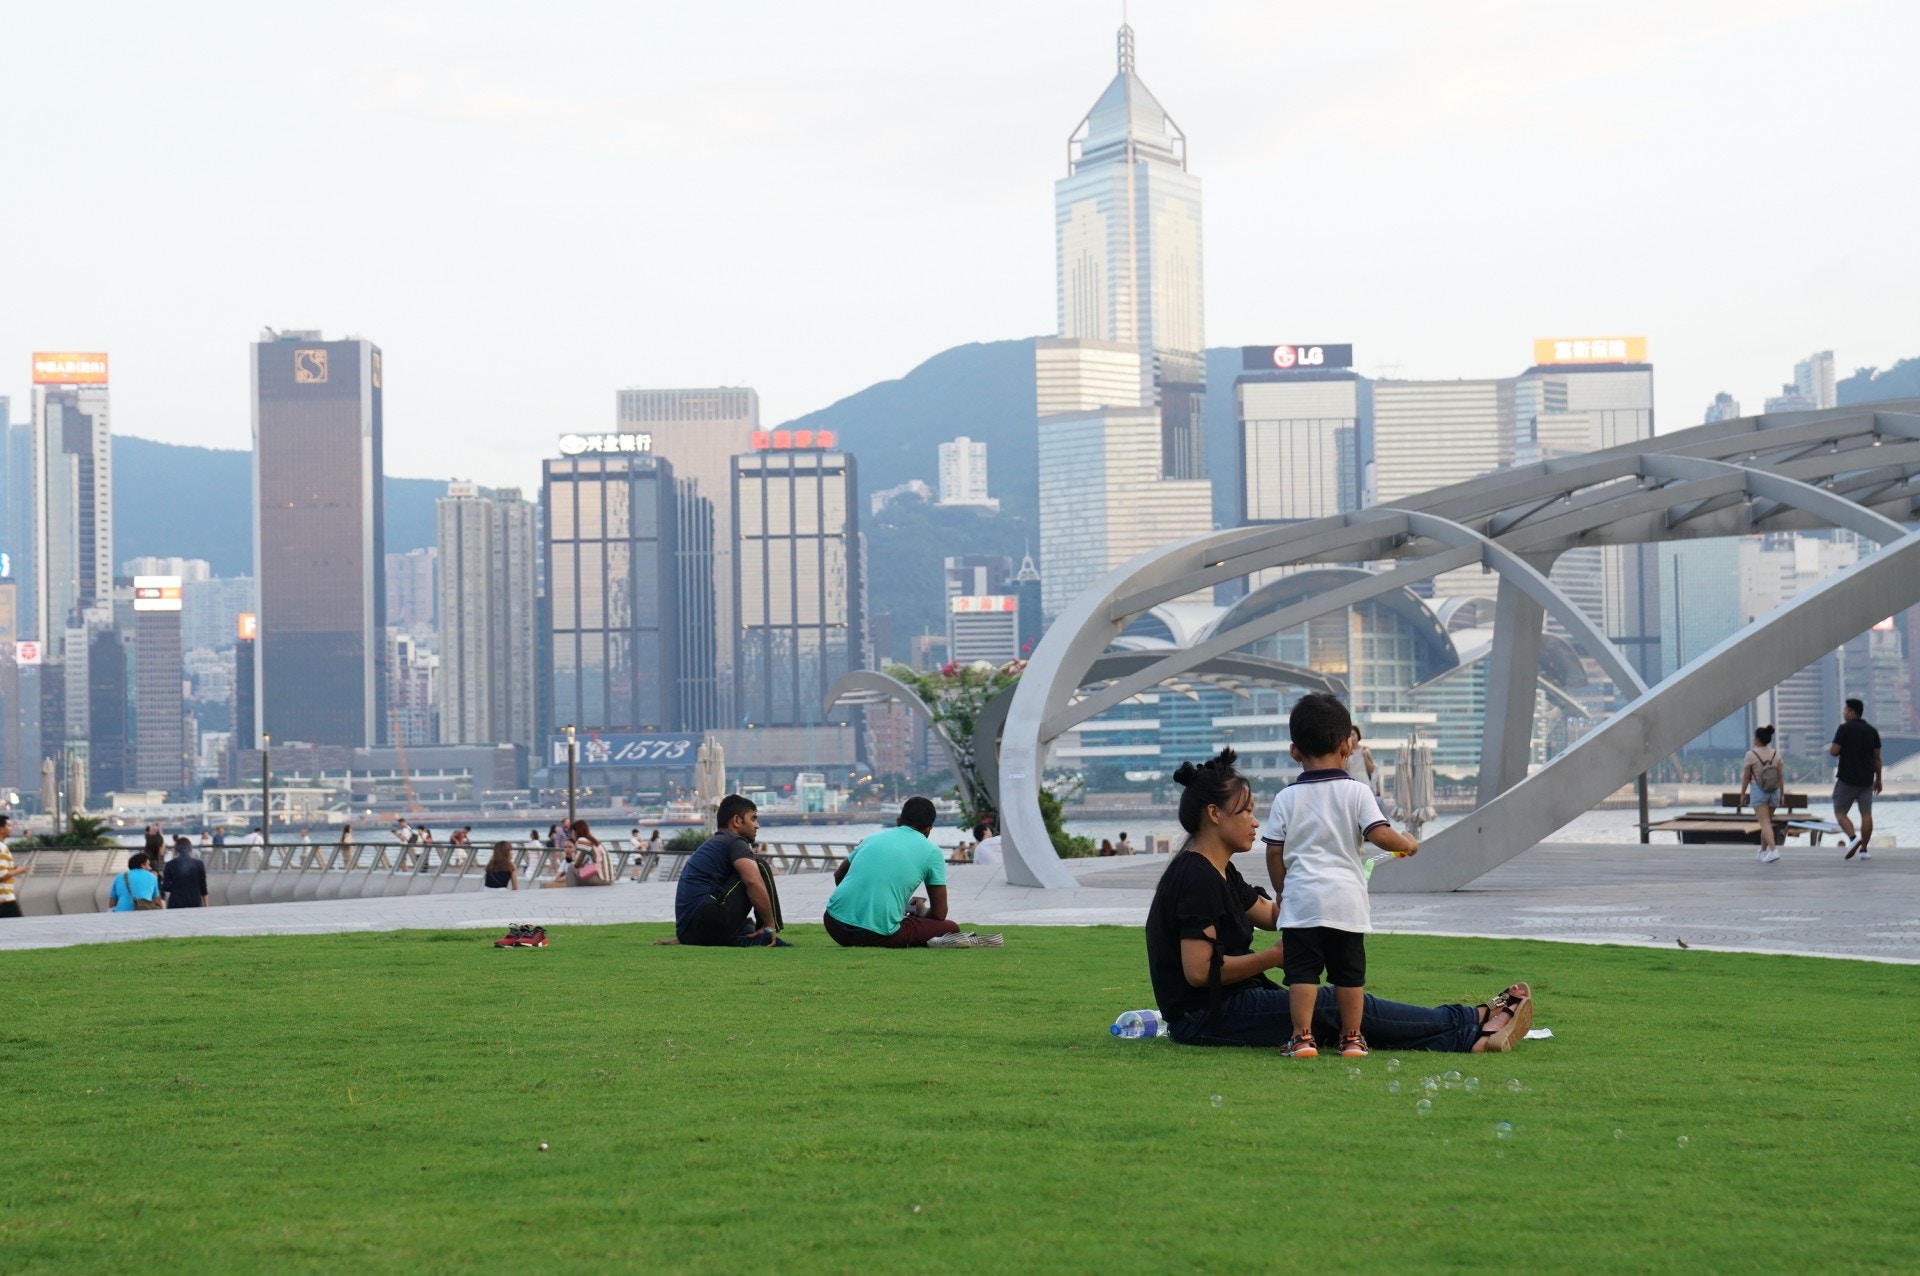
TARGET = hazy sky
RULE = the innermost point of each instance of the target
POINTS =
(529, 206)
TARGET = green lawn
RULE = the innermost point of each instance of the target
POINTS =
(375, 1101)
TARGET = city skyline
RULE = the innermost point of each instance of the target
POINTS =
(1374, 103)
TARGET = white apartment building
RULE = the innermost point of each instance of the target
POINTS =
(487, 667)
(963, 473)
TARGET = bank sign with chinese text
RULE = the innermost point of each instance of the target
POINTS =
(1590, 350)
(576, 444)
(626, 750)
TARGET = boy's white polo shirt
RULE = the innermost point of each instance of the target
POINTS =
(1322, 819)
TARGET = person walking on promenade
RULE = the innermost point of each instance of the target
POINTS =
(184, 880)
(343, 849)
(1857, 778)
(1763, 779)
(9, 896)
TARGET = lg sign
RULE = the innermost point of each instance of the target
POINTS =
(1293, 357)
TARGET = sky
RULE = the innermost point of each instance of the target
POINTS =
(530, 207)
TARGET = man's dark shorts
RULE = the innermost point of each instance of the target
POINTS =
(1312, 949)
(1845, 795)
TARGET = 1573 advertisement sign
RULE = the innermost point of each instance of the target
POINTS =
(626, 750)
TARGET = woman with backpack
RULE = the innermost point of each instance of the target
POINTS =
(1763, 776)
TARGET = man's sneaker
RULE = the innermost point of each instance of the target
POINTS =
(1300, 1046)
(533, 937)
(1853, 848)
(511, 939)
(1353, 1046)
(1864, 854)
(1769, 856)
(967, 939)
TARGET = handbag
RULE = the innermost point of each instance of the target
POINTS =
(140, 905)
(588, 867)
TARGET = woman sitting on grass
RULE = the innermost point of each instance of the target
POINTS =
(1211, 986)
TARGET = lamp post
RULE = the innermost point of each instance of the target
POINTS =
(573, 763)
(266, 799)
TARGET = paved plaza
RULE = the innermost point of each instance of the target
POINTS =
(1811, 902)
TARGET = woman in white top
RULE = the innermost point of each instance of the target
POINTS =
(1763, 758)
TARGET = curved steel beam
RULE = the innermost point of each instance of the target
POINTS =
(869, 686)
(1659, 723)
(1822, 504)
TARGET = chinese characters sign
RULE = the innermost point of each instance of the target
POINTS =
(69, 369)
(790, 440)
(1590, 350)
(626, 750)
(575, 444)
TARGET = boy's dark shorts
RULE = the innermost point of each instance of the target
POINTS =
(1312, 949)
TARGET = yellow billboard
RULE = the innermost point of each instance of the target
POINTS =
(65, 367)
(1590, 350)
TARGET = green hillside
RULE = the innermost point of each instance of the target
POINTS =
(172, 501)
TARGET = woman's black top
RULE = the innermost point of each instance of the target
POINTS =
(1191, 897)
(500, 879)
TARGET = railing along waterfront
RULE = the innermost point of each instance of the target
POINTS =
(60, 881)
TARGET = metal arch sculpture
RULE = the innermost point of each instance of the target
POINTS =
(869, 686)
(1816, 469)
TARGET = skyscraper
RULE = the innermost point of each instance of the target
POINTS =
(1302, 410)
(319, 539)
(700, 432)
(17, 535)
(1723, 408)
(159, 736)
(614, 633)
(488, 671)
(73, 492)
(1127, 242)
(798, 590)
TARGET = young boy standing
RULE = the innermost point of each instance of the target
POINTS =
(1314, 835)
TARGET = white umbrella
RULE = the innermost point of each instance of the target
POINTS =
(1413, 784)
(49, 788)
(76, 784)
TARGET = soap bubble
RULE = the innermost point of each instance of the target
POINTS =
(1431, 1086)
(1393, 1065)
(1503, 1130)
(1353, 1074)
(1452, 1079)
(1515, 1086)
(1393, 1087)
(1680, 1142)
(1473, 1085)
(1424, 1107)
(1619, 1134)
(1217, 1100)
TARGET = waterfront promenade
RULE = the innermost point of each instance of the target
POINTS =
(1811, 902)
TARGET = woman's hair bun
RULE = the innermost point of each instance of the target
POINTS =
(1186, 775)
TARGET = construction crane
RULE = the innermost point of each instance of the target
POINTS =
(406, 776)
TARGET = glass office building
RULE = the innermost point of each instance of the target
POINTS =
(319, 540)
(612, 608)
(798, 591)
(1127, 247)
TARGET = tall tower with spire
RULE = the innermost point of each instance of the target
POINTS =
(1127, 243)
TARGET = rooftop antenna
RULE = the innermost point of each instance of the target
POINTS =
(1125, 43)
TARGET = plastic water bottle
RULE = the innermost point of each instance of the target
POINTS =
(1139, 1023)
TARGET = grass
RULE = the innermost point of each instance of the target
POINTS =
(375, 1101)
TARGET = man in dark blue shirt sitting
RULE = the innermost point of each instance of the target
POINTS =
(722, 881)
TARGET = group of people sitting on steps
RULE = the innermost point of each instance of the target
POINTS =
(1211, 986)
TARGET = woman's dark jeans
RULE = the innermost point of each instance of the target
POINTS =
(1263, 1017)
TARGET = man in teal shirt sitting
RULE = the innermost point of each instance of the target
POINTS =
(872, 907)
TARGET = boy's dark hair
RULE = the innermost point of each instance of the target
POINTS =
(1858, 706)
(1764, 735)
(918, 813)
(732, 807)
(980, 832)
(137, 860)
(1214, 782)
(1318, 724)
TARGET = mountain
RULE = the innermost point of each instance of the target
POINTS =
(983, 390)
(1868, 385)
(173, 501)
